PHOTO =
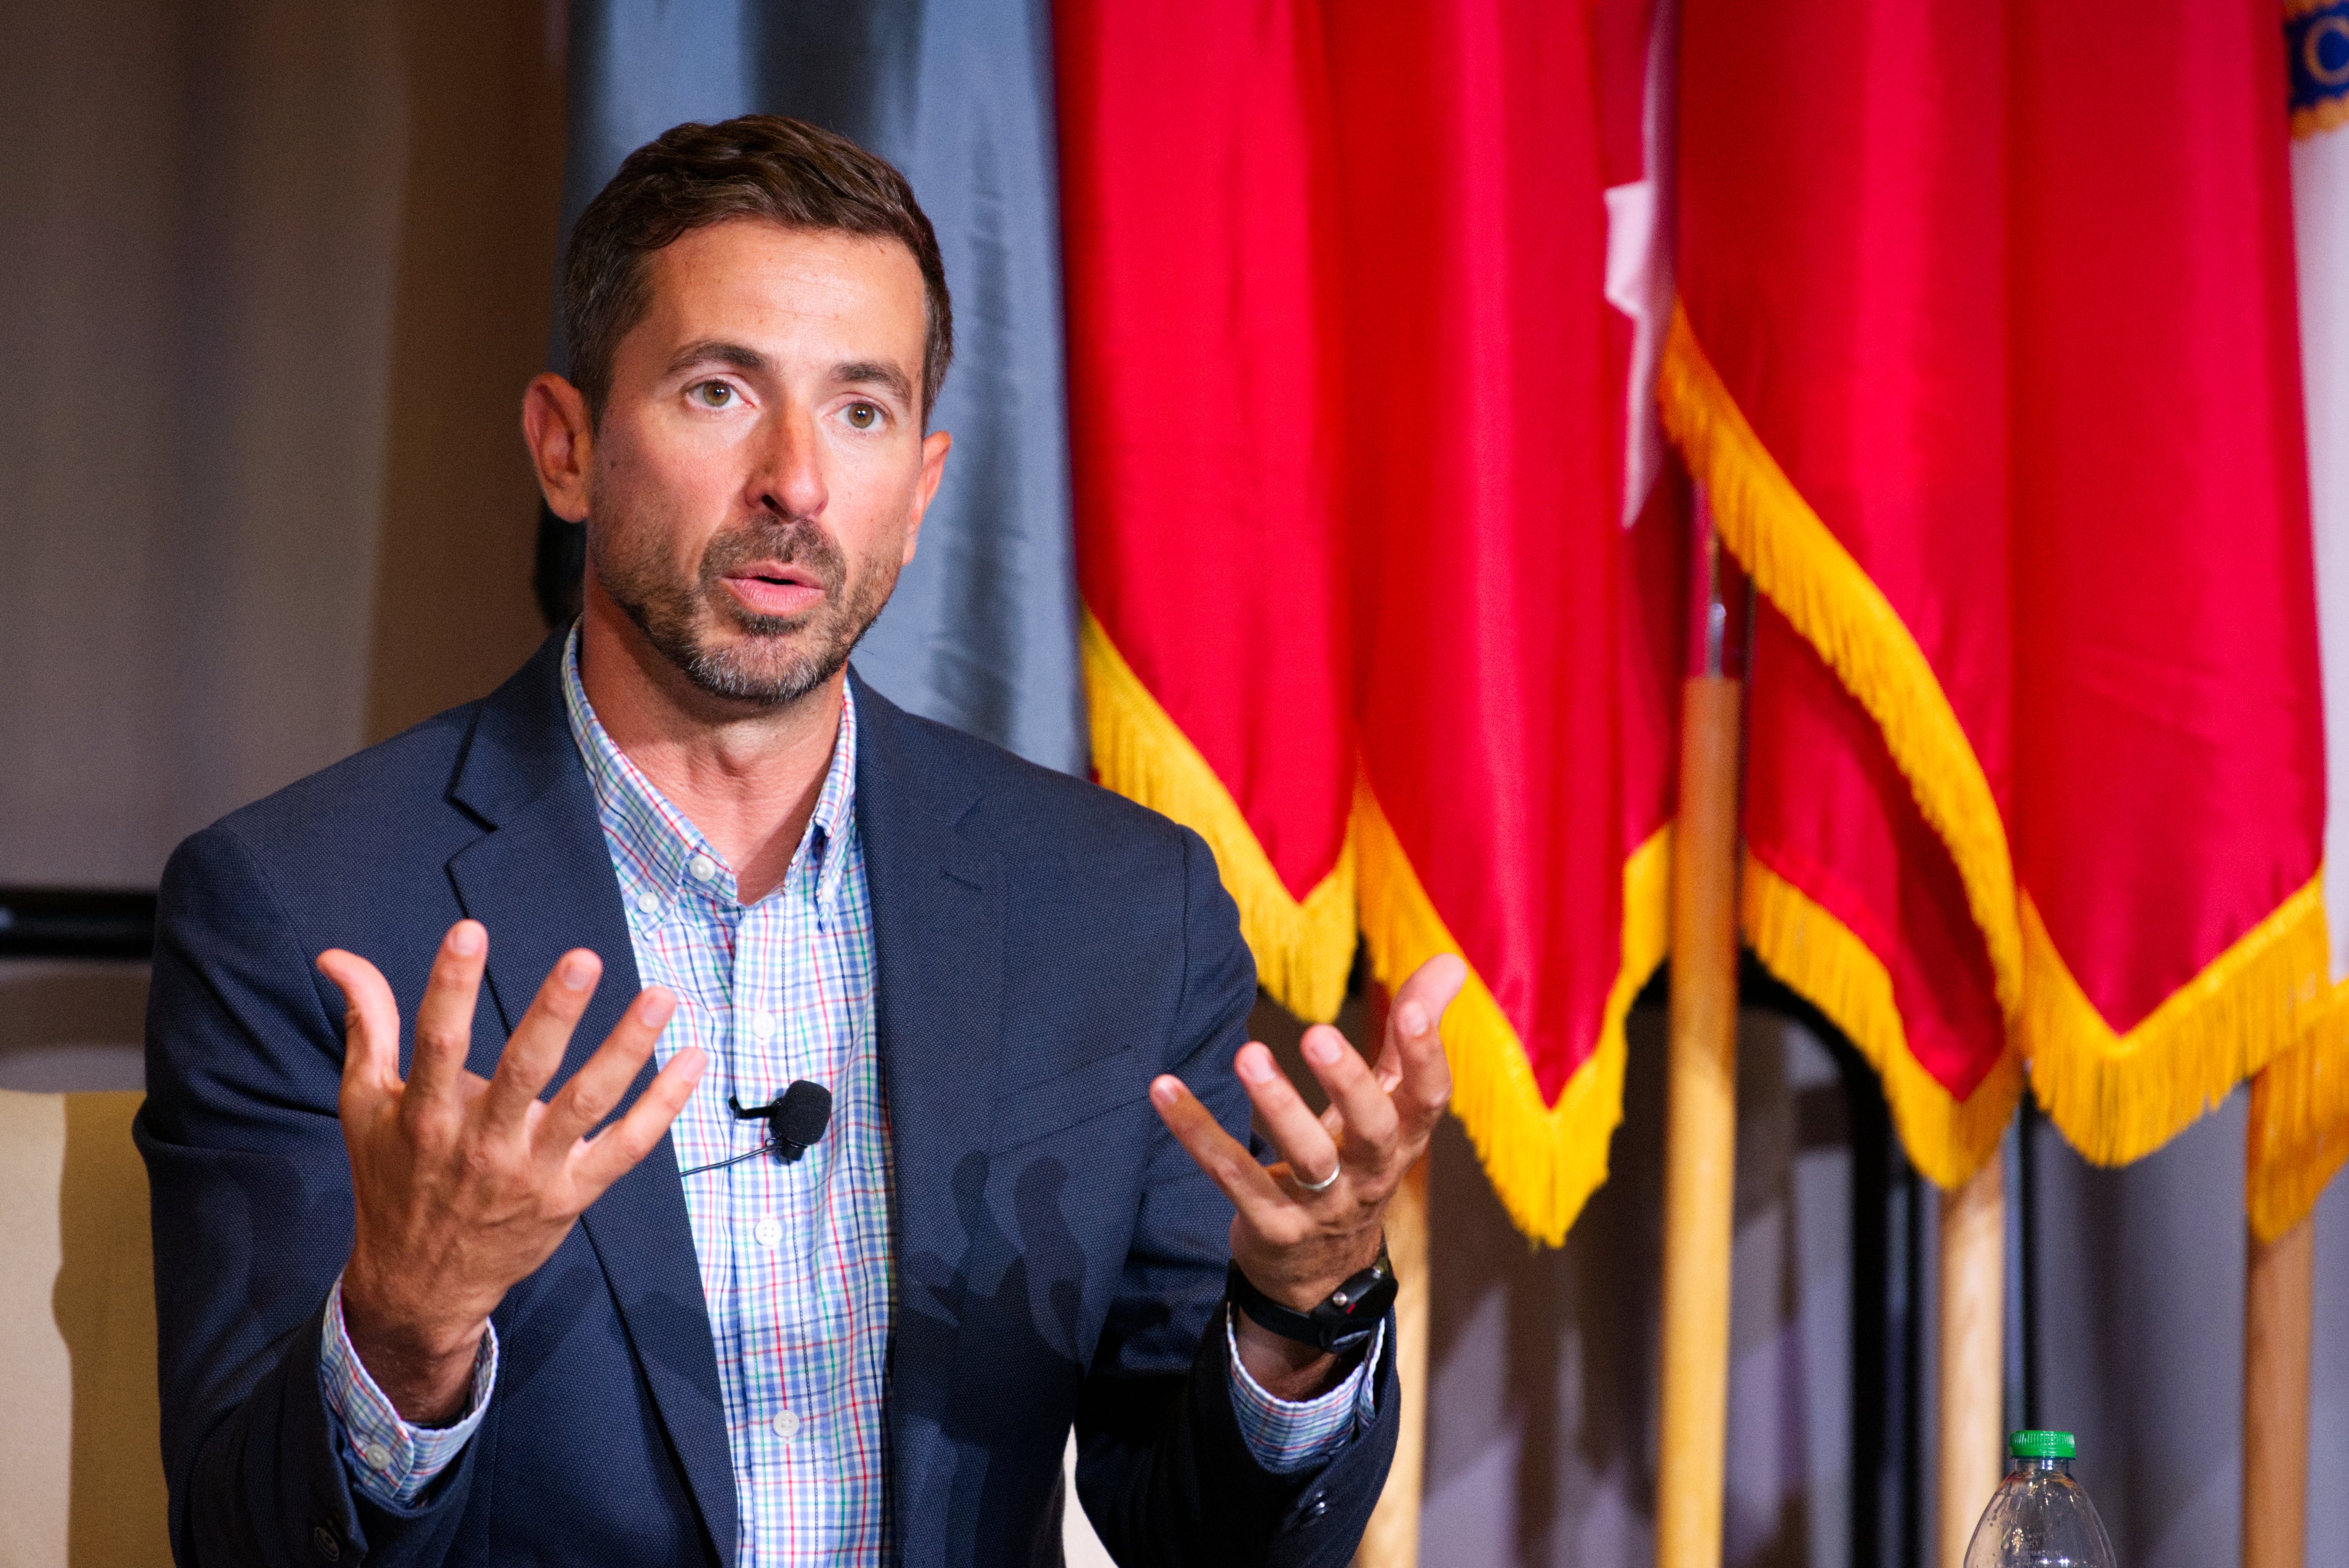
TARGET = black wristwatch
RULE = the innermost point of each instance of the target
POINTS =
(1343, 1321)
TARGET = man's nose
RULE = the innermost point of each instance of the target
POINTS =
(788, 477)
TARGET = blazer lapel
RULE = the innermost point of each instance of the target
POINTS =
(937, 930)
(541, 880)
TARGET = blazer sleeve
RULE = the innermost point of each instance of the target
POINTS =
(1163, 1470)
(250, 1186)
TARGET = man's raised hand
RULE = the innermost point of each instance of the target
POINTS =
(1308, 1223)
(463, 1185)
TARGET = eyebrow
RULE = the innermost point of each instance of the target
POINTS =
(876, 373)
(716, 351)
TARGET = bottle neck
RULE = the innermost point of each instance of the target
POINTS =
(2039, 1468)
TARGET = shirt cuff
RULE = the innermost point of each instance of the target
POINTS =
(1290, 1435)
(390, 1461)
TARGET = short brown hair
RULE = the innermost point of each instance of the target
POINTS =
(765, 165)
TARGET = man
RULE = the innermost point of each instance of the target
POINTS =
(535, 1281)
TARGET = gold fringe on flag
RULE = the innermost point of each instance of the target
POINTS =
(1303, 948)
(1948, 1138)
(1814, 582)
(1543, 1160)
(2115, 1097)
(2300, 1123)
(2120, 1097)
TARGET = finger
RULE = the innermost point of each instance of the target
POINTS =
(1223, 1158)
(1303, 1140)
(614, 1152)
(444, 1019)
(1370, 1122)
(539, 1041)
(1416, 1039)
(1434, 986)
(371, 1027)
(1389, 1068)
(597, 1087)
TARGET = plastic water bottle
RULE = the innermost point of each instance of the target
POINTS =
(2040, 1517)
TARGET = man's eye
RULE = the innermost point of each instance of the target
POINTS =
(864, 416)
(712, 394)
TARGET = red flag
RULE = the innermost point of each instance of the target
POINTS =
(2300, 1105)
(1988, 362)
(1199, 245)
(1515, 646)
(1350, 407)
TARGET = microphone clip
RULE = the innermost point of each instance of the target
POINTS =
(795, 1119)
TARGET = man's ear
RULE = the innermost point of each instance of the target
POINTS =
(935, 447)
(561, 437)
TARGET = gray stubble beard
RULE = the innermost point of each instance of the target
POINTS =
(669, 614)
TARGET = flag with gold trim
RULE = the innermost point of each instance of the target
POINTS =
(1517, 645)
(1350, 407)
(1987, 359)
(2299, 1103)
(1199, 228)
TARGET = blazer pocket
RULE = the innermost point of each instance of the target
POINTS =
(1040, 1109)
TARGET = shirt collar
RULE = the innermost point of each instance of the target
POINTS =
(661, 843)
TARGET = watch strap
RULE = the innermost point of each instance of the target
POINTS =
(1344, 1321)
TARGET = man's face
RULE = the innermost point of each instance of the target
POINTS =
(760, 471)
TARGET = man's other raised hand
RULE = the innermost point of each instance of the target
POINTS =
(1309, 1222)
(463, 1185)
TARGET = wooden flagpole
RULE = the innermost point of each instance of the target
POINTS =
(1972, 1355)
(1391, 1537)
(2279, 1306)
(1701, 1105)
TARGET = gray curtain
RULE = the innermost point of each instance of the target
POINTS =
(981, 633)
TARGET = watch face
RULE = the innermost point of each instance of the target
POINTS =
(1344, 1321)
(1352, 1315)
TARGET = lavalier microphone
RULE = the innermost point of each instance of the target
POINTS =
(795, 1120)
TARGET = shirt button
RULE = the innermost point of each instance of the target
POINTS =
(377, 1456)
(787, 1425)
(763, 1025)
(767, 1232)
(647, 903)
(703, 868)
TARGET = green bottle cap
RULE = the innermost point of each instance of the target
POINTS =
(2040, 1445)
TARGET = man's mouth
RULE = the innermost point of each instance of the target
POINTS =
(772, 588)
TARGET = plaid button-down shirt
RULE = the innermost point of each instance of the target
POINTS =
(796, 1264)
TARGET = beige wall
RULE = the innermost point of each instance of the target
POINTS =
(272, 275)
(452, 614)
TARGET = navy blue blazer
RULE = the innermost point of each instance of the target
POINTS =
(1044, 948)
